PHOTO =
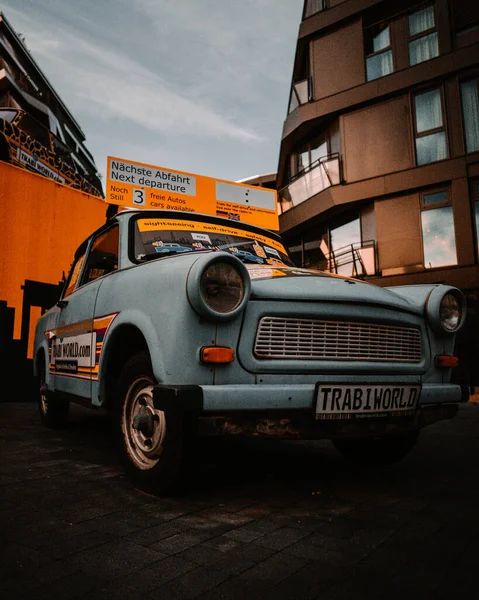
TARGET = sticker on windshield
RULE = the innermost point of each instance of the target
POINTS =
(201, 237)
(272, 251)
(259, 250)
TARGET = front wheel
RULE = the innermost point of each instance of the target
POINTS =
(377, 451)
(153, 443)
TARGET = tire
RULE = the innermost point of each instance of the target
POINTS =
(53, 412)
(154, 444)
(377, 451)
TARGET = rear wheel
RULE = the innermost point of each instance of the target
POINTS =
(153, 443)
(377, 451)
(53, 412)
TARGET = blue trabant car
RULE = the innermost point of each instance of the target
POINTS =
(179, 345)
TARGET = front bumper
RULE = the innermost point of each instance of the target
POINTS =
(226, 398)
(288, 412)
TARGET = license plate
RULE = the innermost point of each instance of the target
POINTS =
(361, 401)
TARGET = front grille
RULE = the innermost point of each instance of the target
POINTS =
(312, 339)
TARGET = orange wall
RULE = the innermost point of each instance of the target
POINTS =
(41, 225)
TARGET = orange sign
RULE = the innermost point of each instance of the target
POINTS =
(140, 185)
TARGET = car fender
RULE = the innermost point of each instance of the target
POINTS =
(143, 322)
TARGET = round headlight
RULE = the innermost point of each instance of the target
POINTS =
(218, 286)
(450, 312)
(222, 287)
(446, 309)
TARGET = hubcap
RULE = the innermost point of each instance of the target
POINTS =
(144, 427)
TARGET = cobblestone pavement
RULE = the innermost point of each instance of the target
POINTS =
(265, 519)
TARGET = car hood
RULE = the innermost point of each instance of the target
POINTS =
(282, 283)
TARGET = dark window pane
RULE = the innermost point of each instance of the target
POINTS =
(422, 20)
(438, 237)
(377, 38)
(312, 7)
(428, 111)
(379, 65)
(423, 49)
(341, 237)
(470, 108)
(476, 205)
(435, 198)
(293, 103)
(431, 148)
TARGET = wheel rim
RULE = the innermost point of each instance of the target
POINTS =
(144, 427)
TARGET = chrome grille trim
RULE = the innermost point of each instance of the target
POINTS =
(314, 339)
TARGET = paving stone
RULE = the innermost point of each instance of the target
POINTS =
(281, 538)
(156, 533)
(73, 545)
(181, 541)
(115, 558)
(190, 585)
(137, 584)
(232, 557)
(72, 525)
(223, 516)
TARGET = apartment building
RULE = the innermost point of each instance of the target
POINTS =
(378, 173)
(37, 131)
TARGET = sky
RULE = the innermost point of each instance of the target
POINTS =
(200, 86)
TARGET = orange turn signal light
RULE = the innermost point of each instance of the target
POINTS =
(446, 362)
(217, 354)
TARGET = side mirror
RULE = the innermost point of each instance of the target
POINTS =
(62, 303)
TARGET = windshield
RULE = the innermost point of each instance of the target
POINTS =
(165, 237)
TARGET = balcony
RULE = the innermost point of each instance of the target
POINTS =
(353, 260)
(320, 175)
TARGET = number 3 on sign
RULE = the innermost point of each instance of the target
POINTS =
(139, 197)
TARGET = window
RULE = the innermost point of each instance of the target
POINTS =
(301, 90)
(475, 198)
(423, 42)
(74, 274)
(379, 55)
(318, 148)
(430, 134)
(300, 94)
(438, 237)
(312, 7)
(103, 256)
(323, 145)
(470, 110)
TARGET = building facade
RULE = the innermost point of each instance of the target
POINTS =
(378, 174)
(37, 131)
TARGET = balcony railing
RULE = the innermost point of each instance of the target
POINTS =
(355, 260)
(320, 175)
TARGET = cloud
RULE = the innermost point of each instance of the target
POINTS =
(196, 85)
(107, 82)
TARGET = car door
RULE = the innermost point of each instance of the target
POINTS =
(73, 341)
